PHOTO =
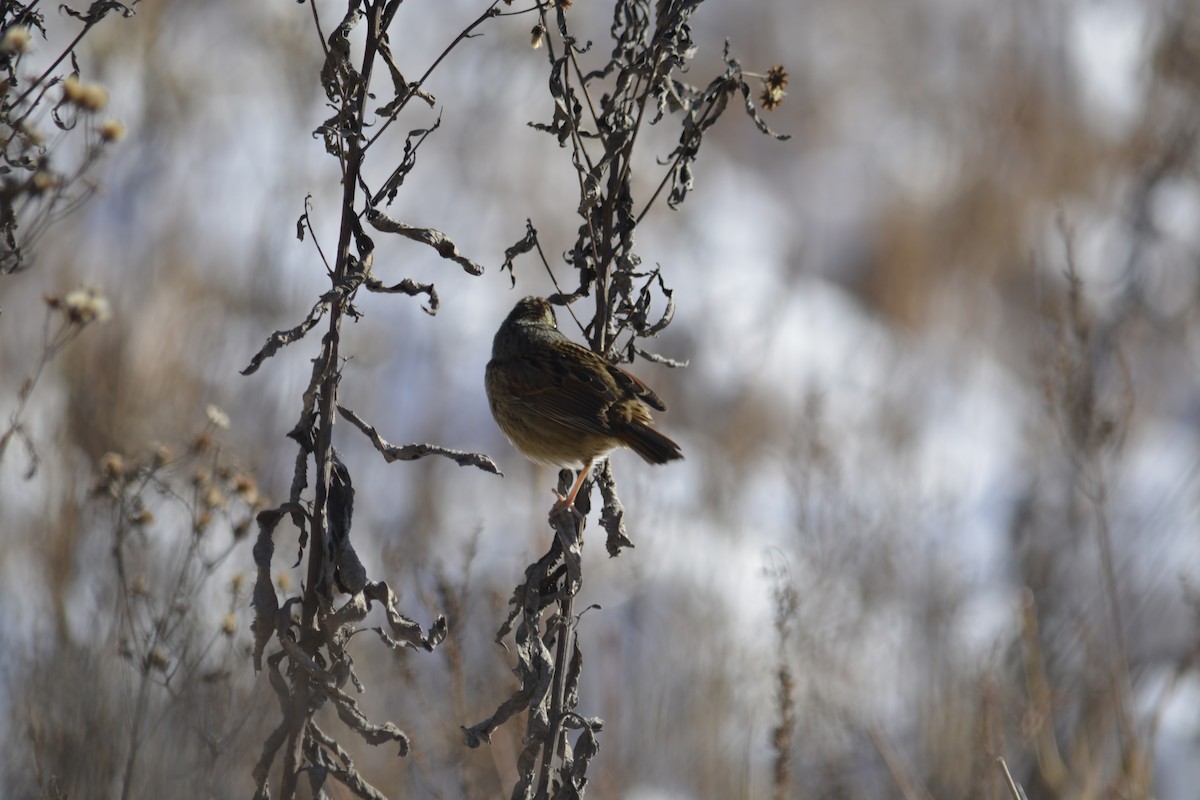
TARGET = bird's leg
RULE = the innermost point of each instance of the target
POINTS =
(568, 501)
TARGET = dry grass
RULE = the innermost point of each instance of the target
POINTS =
(886, 652)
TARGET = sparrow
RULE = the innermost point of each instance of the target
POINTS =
(563, 405)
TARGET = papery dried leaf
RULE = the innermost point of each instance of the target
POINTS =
(435, 239)
(412, 452)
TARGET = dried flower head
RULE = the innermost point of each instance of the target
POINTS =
(229, 624)
(95, 98)
(245, 488)
(42, 180)
(112, 466)
(31, 134)
(87, 97)
(217, 417)
(160, 454)
(82, 306)
(113, 130)
(777, 77)
(16, 40)
(774, 87)
(72, 89)
(537, 35)
(214, 498)
(157, 659)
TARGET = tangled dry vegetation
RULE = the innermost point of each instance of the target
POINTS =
(196, 607)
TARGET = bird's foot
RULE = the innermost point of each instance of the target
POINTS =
(564, 503)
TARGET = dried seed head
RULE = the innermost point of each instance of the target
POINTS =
(87, 97)
(245, 488)
(17, 39)
(72, 89)
(157, 659)
(160, 454)
(31, 134)
(537, 35)
(113, 130)
(774, 86)
(214, 498)
(217, 417)
(85, 305)
(112, 466)
(42, 180)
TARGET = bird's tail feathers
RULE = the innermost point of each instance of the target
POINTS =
(651, 445)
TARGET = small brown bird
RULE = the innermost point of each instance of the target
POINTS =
(563, 405)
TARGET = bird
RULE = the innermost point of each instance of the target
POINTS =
(563, 405)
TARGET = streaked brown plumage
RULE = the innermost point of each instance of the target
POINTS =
(563, 405)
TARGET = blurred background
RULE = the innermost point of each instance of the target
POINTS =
(940, 496)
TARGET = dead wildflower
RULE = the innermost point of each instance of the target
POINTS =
(87, 97)
(72, 89)
(245, 488)
(777, 77)
(143, 517)
(160, 454)
(113, 130)
(202, 442)
(112, 466)
(31, 134)
(774, 87)
(537, 35)
(214, 498)
(217, 417)
(156, 659)
(16, 40)
(43, 180)
(82, 306)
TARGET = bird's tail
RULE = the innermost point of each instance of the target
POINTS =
(650, 444)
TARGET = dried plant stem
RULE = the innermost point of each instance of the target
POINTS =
(556, 741)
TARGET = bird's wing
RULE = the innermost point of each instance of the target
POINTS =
(629, 384)
(565, 387)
